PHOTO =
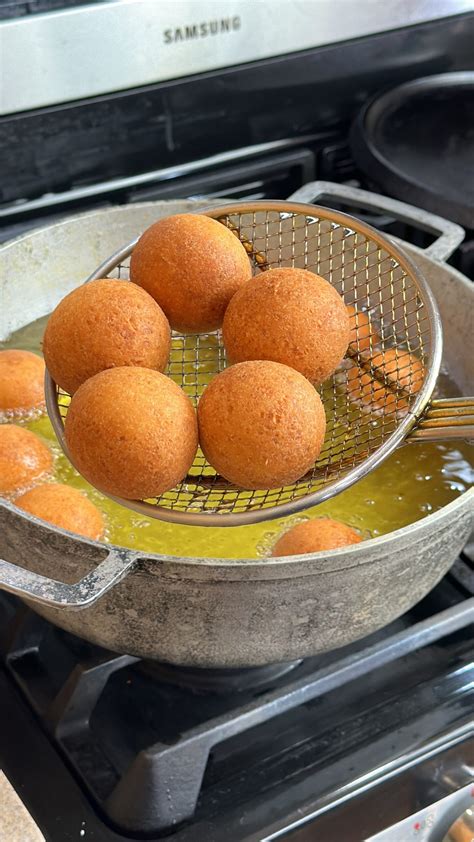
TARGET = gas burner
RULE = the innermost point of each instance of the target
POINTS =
(220, 681)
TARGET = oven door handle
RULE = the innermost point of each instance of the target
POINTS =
(53, 594)
(449, 234)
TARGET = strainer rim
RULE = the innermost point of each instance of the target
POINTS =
(394, 439)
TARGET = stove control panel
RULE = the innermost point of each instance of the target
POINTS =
(449, 820)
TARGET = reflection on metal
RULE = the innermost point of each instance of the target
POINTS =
(416, 772)
(462, 830)
(244, 155)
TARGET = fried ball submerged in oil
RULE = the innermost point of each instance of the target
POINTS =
(314, 536)
(364, 335)
(65, 507)
(400, 368)
(24, 458)
(21, 381)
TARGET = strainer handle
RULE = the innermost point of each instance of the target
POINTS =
(54, 594)
(445, 418)
(450, 235)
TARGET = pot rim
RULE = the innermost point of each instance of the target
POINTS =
(90, 214)
(355, 554)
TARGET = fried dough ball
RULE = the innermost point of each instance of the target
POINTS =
(362, 330)
(261, 424)
(21, 381)
(290, 316)
(400, 367)
(131, 432)
(65, 507)
(192, 265)
(23, 458)
(104, 324)
(314, 536)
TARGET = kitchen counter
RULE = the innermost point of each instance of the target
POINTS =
(16, 824)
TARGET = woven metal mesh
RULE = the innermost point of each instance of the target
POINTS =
(373, 388)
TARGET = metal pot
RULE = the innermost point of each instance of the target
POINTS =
(214, 612)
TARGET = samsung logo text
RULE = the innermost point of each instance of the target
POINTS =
(201, 30)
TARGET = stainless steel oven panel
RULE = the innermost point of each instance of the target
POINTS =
(104, 47)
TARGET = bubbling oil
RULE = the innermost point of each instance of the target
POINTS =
(413, 482)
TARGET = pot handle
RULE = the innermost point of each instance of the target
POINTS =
(450, 235)
(54, 594)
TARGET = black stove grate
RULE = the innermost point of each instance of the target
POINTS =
(156, 746)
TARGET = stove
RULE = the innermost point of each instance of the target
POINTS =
(374, 741)
(339, 746)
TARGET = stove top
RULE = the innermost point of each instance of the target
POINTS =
(110, 747)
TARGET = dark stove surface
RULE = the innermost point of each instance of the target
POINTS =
(120, 748)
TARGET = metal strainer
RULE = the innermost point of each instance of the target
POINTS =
(371, 405)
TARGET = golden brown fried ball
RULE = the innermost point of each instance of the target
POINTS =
(400, 367)
(291, 316)
(362, 330)
(21, 381)
(131, 432)
(23, 458)
(192, 265)
(314, 536)
(104, 324)
(65, 507)
(261, 424)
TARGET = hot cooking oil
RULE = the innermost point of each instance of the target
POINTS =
(415, 480)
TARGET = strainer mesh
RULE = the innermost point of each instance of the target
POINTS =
(362, 412)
